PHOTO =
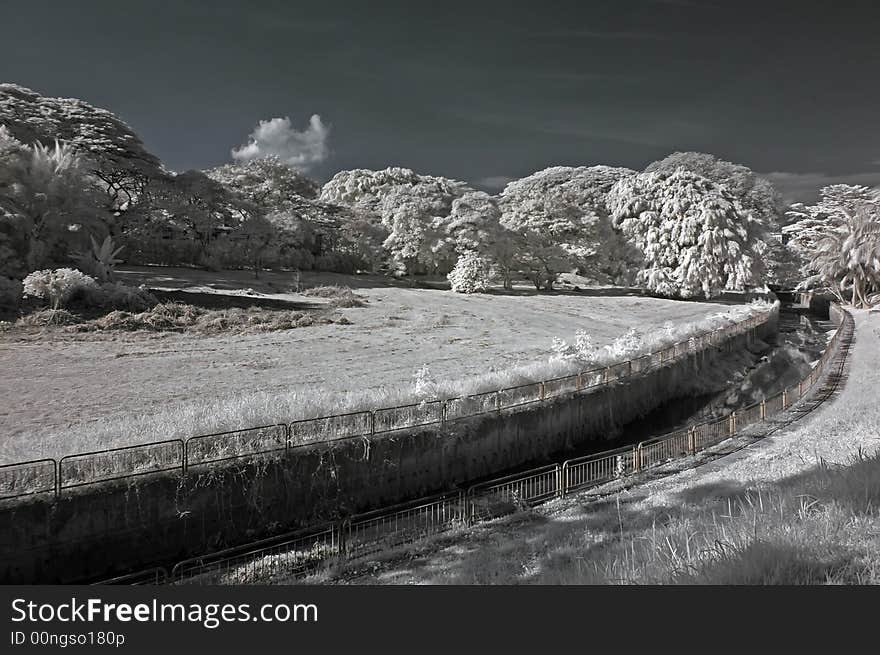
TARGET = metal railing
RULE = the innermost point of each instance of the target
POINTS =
(373, 532)
(48, 476)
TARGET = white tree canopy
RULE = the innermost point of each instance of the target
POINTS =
(695, 235)
(561, 218)
(414, 208)
(754, 193)
(382, 191)
(267, 182)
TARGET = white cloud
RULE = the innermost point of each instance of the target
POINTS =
(277, 136)
(804, 187)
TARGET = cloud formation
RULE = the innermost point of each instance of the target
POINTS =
(277, 136)
(804, 187)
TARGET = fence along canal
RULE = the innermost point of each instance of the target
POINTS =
(301, 553)
(49, 477)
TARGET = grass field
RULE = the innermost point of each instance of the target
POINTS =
(69, 392)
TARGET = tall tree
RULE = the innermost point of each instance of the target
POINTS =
(266, 182)
(695, 235)
(559, 216)
(109, 150)
(839, 237)
(754, 192)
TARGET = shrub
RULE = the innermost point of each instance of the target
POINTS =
(59, 286)
(472, 274)
(10, 293)
(99, 261)
(116, 295)
(338, 296)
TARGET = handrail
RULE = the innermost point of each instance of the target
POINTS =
(625, 464)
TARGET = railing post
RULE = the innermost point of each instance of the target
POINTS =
(637, 458)
(560, 487)
(543, 390)
(606, 375)
(692, 440)
(342, 537)
(732, 423)
(564, 480)
(763, 410)
(443, 413)
(57, 479)
(784, 398)
(372, 423)
(579, 383)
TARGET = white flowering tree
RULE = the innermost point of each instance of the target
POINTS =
(695, 235)
(472, 273)
(559, 216)
(755, 193)
(382, 191)
(414, 208)
(267, 182)
(417, 242)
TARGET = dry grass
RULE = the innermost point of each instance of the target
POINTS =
(338, 296)
(180, 317)
(818, 528)
(48, 318)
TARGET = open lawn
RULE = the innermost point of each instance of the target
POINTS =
(56, 383)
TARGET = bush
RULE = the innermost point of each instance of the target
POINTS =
(59, 286)
(100, 260)
(338, 296)
(338, 262)
(471, 274)
(116, 295)
(10, 293)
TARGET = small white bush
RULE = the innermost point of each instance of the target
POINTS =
(472, 274)
(583, 351)
(424, 384)
(58, 286)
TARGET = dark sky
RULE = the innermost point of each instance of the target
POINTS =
(475, 90)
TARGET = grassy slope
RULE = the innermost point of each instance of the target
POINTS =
(800, 507)
(75, 392)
